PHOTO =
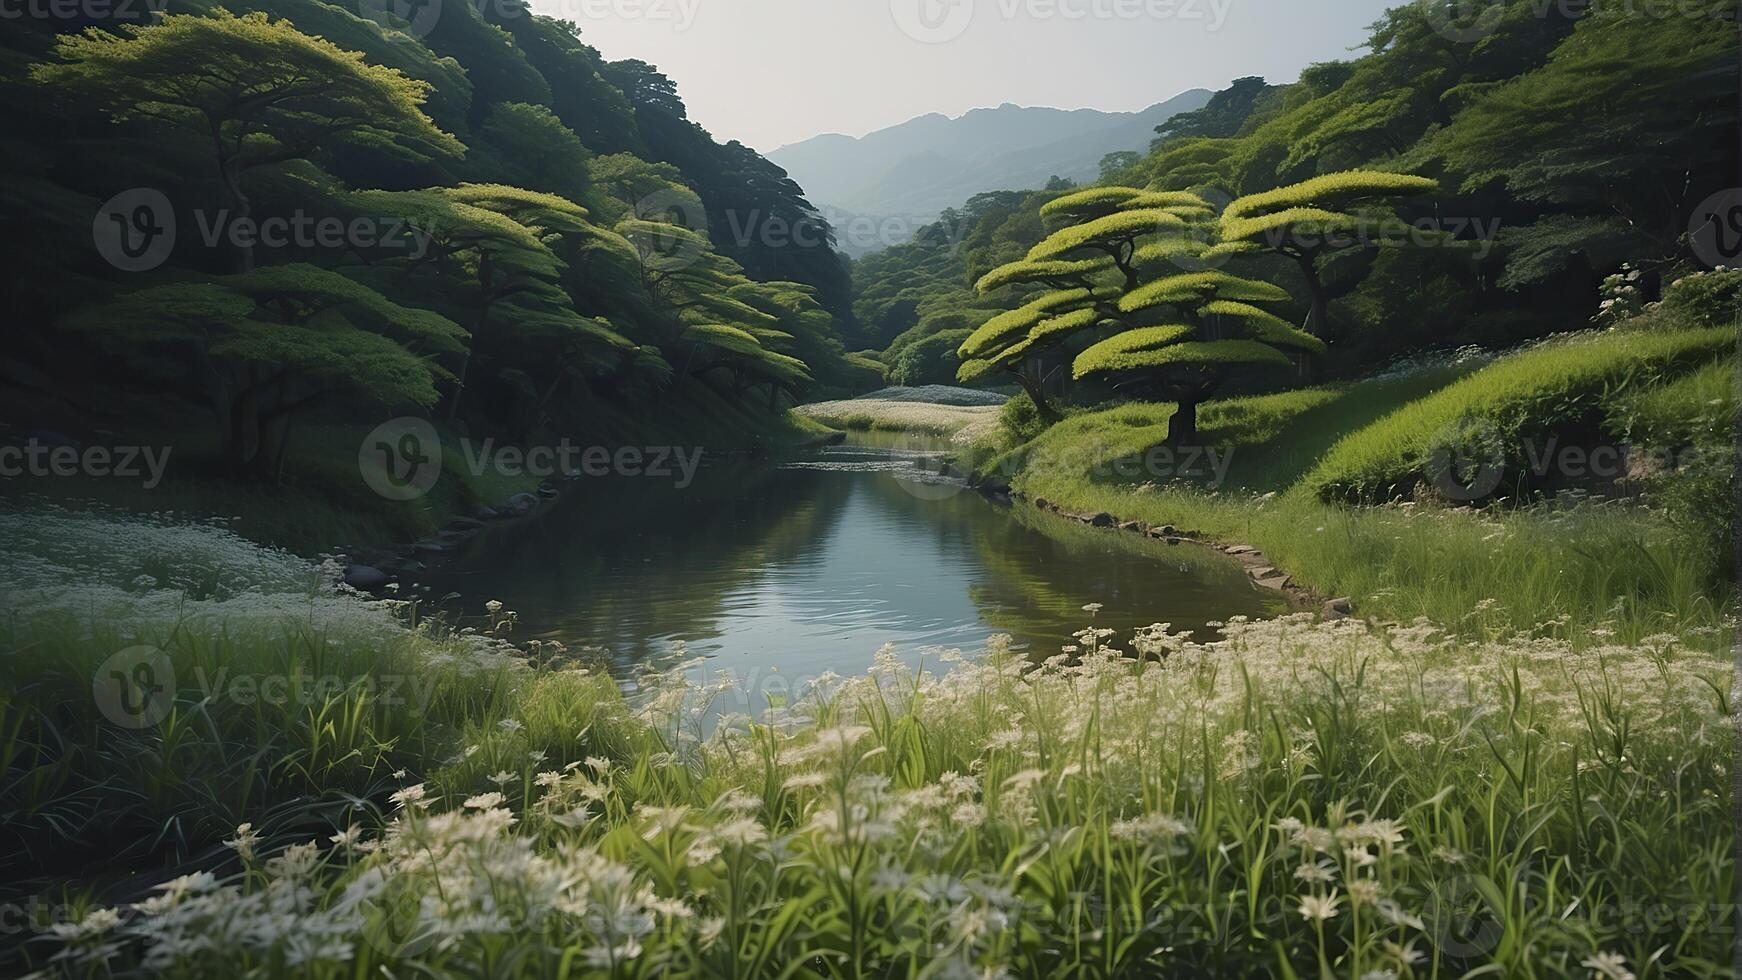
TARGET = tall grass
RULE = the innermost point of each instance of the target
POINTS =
(1298, 800)
(1569, 568)
(1561, 382)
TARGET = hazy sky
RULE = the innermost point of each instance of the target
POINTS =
(771, 72)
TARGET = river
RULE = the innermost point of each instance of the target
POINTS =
(812, 565)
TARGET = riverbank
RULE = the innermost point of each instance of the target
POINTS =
(1630, 552)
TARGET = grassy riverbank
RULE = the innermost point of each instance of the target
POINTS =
(1300, 800)
(1641, 556)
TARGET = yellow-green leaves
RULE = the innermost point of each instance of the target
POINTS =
(1329, 191)
(1121, 225)
(1025, 271)
(1212, 353)
(1196, 287)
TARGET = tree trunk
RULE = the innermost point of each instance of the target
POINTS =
(1182, 428)
(1032, 386)
(231, 171)
(1316, 324)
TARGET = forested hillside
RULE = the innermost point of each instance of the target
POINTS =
(1560, 147)
(302, 213)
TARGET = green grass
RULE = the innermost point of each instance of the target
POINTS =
(1614, 566)
(918, 418)
(1513, 808)
(1635, 567)
(1559, 383)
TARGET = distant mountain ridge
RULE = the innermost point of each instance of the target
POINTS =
(916, 169)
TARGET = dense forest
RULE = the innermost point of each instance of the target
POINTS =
(306, 213)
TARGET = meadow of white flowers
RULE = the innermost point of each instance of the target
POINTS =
(1293, 798)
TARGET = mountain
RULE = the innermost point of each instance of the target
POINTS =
(913, 171)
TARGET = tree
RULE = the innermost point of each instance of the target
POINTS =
(1112, 271)
(1118, 160)
(488, 249)
(528, 146)
(1641, 117)
(1083, 267)
(258, 90)
(1184, 334)
(261, 346)
(1312, 221)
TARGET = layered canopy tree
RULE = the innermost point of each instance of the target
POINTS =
(261, 346)
(1103, 237)
(1132, 268)
(256, 90)
(1312, 221)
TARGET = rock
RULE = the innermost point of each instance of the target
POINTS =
(1103, 519)
(520, 505)
(464, 524)
(1264, 572)
(1168, 530)
(1131, 526)
(433, 546)
(486, 514)
(1042, 503)
(547, 491)
(1339, 609)
(1240, 549)
(1175, 541)
(365, 577)
(1276, 582)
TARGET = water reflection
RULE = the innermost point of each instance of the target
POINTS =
(814, 565)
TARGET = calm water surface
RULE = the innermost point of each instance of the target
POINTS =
(812, 565)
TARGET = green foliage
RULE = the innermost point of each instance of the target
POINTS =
(255, 91)
(932, 361)
(1639, 113)
(1710, 299)
(1021, 419)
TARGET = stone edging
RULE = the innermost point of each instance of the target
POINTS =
(1259, 569)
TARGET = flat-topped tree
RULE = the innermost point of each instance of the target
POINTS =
(1084, 266)
(1187, 333)
(258, 91)
(260, 346)
(489, 249)
(1315, 219)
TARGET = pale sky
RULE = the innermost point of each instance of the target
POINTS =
(772, 72)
